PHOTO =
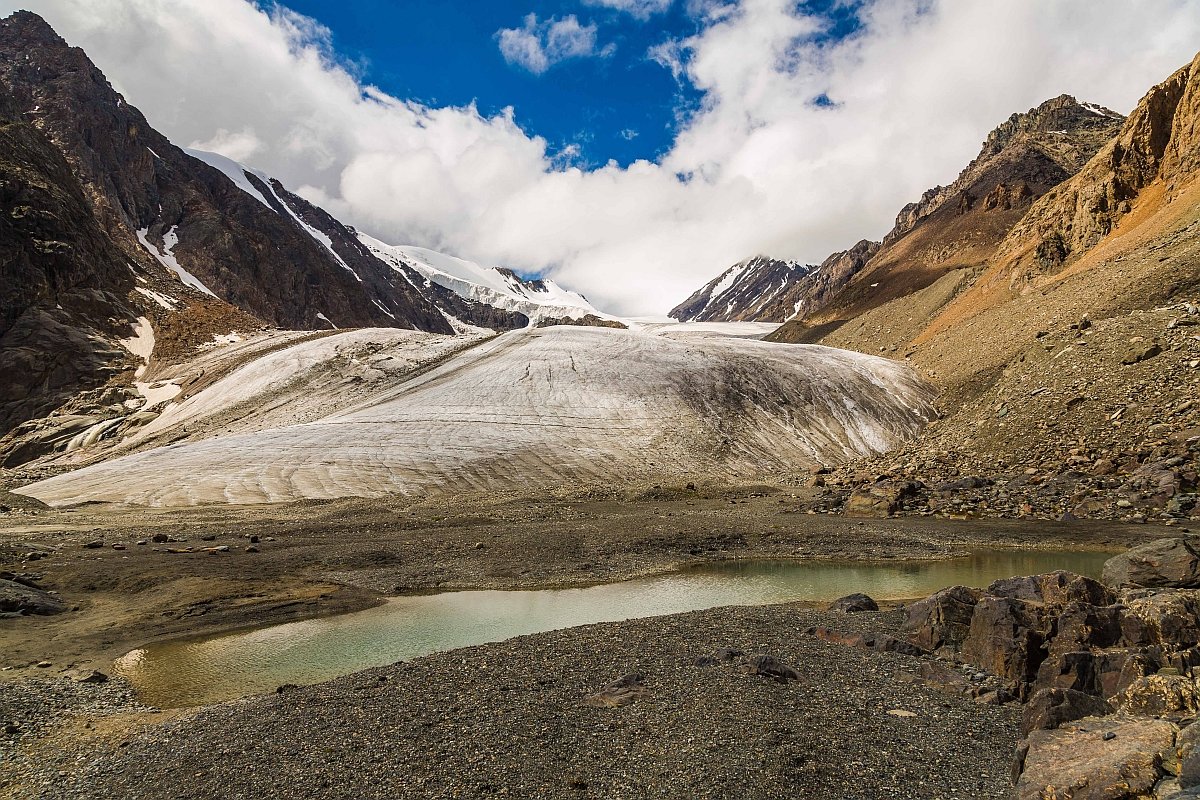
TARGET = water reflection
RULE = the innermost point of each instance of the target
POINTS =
(202, 671)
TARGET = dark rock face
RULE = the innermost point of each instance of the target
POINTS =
(854, 604)
(815, 290)
(257, 258)
(1165, 562)
(586, 321)
(942, 619)
(63, 284)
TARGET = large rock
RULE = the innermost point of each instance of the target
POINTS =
(1166, 619)
(1095, 758)
(880, 499)
(1050, 708)
(942, 619)
(20, 598)
(1054, 588)
(854, 603)
(1007, 637)
(1162, 563)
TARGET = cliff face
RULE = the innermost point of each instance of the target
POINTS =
(63, 284)
(1161, 139)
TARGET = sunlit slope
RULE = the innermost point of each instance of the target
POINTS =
(546, 407)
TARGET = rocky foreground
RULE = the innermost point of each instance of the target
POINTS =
(1065, 686)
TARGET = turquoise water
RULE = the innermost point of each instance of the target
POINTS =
(201, 671)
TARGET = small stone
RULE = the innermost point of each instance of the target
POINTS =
(160, 538)
(44, 664)
(251, 549)
(95, 544)
(1109, 736)
(900, 712)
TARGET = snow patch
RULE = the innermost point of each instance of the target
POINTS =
(486, 285)
(166, 257)
(235, 172)
(327, 320)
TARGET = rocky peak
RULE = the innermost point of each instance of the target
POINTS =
(1062, 114)
(1160, 139)
(743, 292)
(1042, 146)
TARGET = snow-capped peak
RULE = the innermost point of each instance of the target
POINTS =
(502, 288)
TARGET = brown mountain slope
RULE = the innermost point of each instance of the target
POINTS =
(1070, 373)
(958, 227)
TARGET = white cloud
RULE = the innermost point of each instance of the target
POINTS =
(916, 92)
(238, 145)
(537, 46)
(641, 9)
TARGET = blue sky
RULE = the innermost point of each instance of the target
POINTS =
(621, 105)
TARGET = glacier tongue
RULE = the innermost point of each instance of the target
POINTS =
(540, 408)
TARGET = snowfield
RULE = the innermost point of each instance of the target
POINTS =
(529, 408)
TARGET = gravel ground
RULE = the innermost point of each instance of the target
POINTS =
(507, 719)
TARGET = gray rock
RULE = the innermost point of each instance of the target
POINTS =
(19, 598)
(1161, 563)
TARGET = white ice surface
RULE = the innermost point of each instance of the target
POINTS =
(538, 407)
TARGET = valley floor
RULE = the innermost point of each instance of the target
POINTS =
(502, 719)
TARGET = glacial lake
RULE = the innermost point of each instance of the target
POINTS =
(201, 671)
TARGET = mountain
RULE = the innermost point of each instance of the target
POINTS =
(112, 233)
(741, 292)
(950, 228)
(1067, 358)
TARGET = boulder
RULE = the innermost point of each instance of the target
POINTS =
(1054, 588)
(854, 603)
(1162, 563)
(1170, 620)
(1047, 709)
(1095, 758)
(880, 499)
(942, 619)
(770, 667)
(20, 598)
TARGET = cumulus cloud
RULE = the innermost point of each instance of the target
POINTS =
(537, 46)
(641, 9)
(758, 167)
